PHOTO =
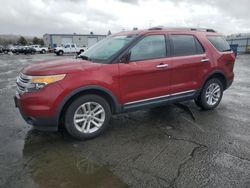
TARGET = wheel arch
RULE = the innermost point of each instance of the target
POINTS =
(103, 92)
(217, 74)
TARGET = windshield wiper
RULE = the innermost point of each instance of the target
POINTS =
(84, 57)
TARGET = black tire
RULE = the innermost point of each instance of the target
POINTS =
(43, 51)
(75, 105)
(5, 51)
(60, 52)
(81, 51)
(202, 102)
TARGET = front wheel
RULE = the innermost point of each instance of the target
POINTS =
(87, 117)
(211, 94)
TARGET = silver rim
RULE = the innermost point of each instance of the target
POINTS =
(89, 117)
(213, 94)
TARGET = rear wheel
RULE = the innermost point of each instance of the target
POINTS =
(211, 94)
(87, 117)
(60, 52)
(43, 51)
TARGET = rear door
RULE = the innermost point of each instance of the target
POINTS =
(146, 76)
(187, 63)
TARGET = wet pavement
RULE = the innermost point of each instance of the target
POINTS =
(159, 147)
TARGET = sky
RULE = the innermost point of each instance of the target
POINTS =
(37, 17)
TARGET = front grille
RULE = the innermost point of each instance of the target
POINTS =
(22, 82)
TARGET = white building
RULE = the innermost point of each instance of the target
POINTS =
(54, 40)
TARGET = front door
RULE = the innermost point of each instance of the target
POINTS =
(146, 76)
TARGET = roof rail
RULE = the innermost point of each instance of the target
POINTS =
(182, 28)
(202, 29)
(156, 28)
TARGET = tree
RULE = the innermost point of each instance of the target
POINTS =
(41, 42)
(36, 40)
(22, 41)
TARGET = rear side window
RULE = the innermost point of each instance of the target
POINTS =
(219, 43)
(185, 45)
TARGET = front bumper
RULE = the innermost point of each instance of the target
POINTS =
(40, 123)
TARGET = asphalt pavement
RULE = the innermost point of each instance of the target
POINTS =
(159, 147)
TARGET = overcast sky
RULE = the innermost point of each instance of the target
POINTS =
(36, 17)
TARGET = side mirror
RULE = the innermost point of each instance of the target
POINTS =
(125, 58)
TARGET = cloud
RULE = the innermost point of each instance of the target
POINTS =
(36, 17)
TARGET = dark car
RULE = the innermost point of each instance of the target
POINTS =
(6, 50)
(24, 50)
(125, 72)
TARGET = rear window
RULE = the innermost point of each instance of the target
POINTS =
(185, 45)
(219, 43)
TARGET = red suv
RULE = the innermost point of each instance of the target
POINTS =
(125, 72)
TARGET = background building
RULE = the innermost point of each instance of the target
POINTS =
(54, 40)
(242, 40)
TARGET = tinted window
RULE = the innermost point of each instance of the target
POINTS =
(186, 45)
(150, 47)
(219, 43)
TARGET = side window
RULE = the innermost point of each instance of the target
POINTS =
(72, 45)
(186, 45)
(219, 43)
(67, 46)
(150, 47)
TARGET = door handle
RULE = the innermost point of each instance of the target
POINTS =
(162, 65)
(204, 60)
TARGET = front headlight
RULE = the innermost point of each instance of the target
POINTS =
(38, 82)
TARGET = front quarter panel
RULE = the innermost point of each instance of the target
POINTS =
(105, 76)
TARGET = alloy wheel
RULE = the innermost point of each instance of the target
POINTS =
(89, 117)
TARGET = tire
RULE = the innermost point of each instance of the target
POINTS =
(43, 51)
(5, 52)
(60, 52)
(85, 128)
(211, 94)
(81, 51)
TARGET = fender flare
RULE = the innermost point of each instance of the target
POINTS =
(220, 72)
(117, 106)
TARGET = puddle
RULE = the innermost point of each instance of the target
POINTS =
(53, 163)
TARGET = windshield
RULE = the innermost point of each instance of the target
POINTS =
(107, 47)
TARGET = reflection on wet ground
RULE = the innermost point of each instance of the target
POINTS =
(159, 147)
(55, 162)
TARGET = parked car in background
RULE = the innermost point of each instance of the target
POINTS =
(40, 49)
(125, 72)
(6, 50)
(69, 49)
(24, 50)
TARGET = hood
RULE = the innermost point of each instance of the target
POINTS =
(61, 66)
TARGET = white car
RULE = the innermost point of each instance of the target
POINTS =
(40, 49)
(68, 49)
